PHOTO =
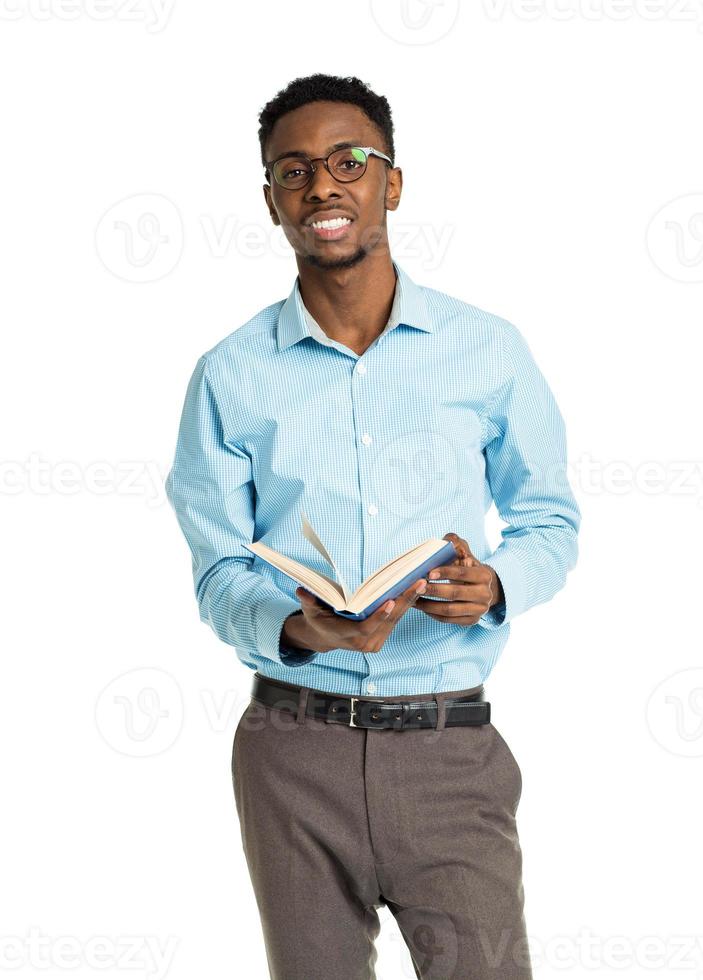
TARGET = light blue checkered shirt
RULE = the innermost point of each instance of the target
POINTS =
(444, 412)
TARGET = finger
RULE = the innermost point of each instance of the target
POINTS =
(407, 599)
(463, 561)
(461, 573)
(382, 613)
(460, 591)
(311, 604)
(305, 597)
(461, 545)
(454, 620)
(462, 610)
(450, 610)
(381, 626)
(395, 608)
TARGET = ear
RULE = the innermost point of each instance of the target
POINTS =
(394, 188)
(269, 204)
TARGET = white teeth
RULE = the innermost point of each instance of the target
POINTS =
(332, 223)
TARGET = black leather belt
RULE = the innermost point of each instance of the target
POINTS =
(362, 712)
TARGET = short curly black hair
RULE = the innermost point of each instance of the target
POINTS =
(332, 88)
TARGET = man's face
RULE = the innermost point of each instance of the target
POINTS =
(314, 129)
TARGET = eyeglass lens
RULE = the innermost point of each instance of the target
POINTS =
(346, 164)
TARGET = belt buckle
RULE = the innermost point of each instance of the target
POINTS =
(398, 721)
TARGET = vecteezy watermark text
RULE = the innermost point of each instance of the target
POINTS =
(67, 477)
(686, 11)
(154, 14)
(146, 956)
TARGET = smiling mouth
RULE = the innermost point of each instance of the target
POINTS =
(332, 229)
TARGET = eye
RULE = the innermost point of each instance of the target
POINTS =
(348, 164)
(291, 170)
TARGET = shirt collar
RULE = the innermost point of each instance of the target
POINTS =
(409, 308)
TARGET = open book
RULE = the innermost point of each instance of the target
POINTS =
(387, 582)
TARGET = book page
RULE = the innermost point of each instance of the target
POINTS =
(309, 533)
(390, 568)
(320, 585)
(394, 571)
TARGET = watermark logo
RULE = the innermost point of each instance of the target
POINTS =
(415, 21)
(675, 713)
(431, 938)
(418, 465)
(140, 713)
(675, 238)
(140, 238)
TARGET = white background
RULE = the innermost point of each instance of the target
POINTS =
(541, 145)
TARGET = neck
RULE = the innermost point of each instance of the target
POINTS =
(352, 306)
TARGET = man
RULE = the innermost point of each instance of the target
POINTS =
(366, 769)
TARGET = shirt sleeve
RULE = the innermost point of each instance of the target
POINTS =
(526, 457)
(211, 490)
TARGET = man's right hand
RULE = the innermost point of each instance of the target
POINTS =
(324, 630)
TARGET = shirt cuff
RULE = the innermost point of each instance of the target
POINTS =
(509, 570)
(290, 659)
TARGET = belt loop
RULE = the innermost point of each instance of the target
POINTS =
(441, 711)
(302, 705)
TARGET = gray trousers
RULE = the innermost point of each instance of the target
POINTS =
(337, 822)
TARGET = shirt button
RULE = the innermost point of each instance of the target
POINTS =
(371, 687)
(373, 509)
(366, 439)
(361, 369)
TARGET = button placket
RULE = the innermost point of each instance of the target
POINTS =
(365, 439)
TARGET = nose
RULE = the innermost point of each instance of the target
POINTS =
(322, 183)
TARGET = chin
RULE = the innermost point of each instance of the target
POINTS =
(339, 262)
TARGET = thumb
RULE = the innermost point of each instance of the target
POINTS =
(464, 553)
(307, 599)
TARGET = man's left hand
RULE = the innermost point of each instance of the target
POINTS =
(473, 588)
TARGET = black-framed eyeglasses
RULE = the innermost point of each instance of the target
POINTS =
(345, 165)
